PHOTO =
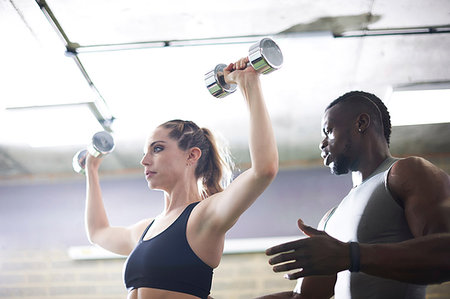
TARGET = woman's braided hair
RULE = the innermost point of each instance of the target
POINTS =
(214, 166)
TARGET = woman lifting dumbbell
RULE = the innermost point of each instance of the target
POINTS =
(173, 254)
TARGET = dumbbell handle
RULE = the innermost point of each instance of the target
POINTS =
(101, 145)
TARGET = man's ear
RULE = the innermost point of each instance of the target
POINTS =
(194, 154)
(362, 122)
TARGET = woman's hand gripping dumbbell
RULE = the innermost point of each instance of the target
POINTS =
(102, 144)
(264, 56)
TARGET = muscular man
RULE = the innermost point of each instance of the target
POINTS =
(390, 236)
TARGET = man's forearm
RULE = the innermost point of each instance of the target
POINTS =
(282, 295)
(422, 260)
(314, 287)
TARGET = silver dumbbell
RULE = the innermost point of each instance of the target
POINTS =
(264, 56)
(101, 145)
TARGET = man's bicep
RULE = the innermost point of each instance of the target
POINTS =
(424, 190)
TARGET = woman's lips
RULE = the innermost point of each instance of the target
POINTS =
(149, 174)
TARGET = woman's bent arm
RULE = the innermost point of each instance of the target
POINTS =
(120, 240)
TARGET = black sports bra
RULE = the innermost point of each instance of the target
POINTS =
(167, 262)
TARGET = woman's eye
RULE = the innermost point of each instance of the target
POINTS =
(157, 149)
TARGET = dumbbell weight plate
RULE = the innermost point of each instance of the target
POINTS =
(79, 161)
(215, 82)
(265, 56)
(102, 144)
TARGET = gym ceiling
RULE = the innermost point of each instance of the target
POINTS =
(71, 68)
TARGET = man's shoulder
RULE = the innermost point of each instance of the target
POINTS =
(410, 165)
(411, 172)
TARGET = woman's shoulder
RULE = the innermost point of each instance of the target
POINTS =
(138, 228)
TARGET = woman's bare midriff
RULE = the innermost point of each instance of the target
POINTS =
(148, 293)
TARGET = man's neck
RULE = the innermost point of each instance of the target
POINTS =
(368, 167)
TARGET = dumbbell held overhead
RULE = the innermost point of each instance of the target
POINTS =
(264, 56)
(102, 144)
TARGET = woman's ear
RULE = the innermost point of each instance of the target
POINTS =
(194, 154)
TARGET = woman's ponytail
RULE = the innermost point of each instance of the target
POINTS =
(214, 168)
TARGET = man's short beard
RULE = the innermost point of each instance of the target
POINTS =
(341, 164)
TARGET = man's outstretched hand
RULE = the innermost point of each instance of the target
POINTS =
(318, 254)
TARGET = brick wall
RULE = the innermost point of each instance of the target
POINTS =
(56, 209)
(52, 274)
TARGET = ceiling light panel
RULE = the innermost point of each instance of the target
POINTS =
(49, 126)
(416, 107)
(34, 69)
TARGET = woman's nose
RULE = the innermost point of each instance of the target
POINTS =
(145, 160)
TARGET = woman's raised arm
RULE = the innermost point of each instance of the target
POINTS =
(120, 240)
(245, 189)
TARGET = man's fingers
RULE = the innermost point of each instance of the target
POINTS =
(287, 267)
(308, 230)
(284, 247)
(295, 275)
(285, 257)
